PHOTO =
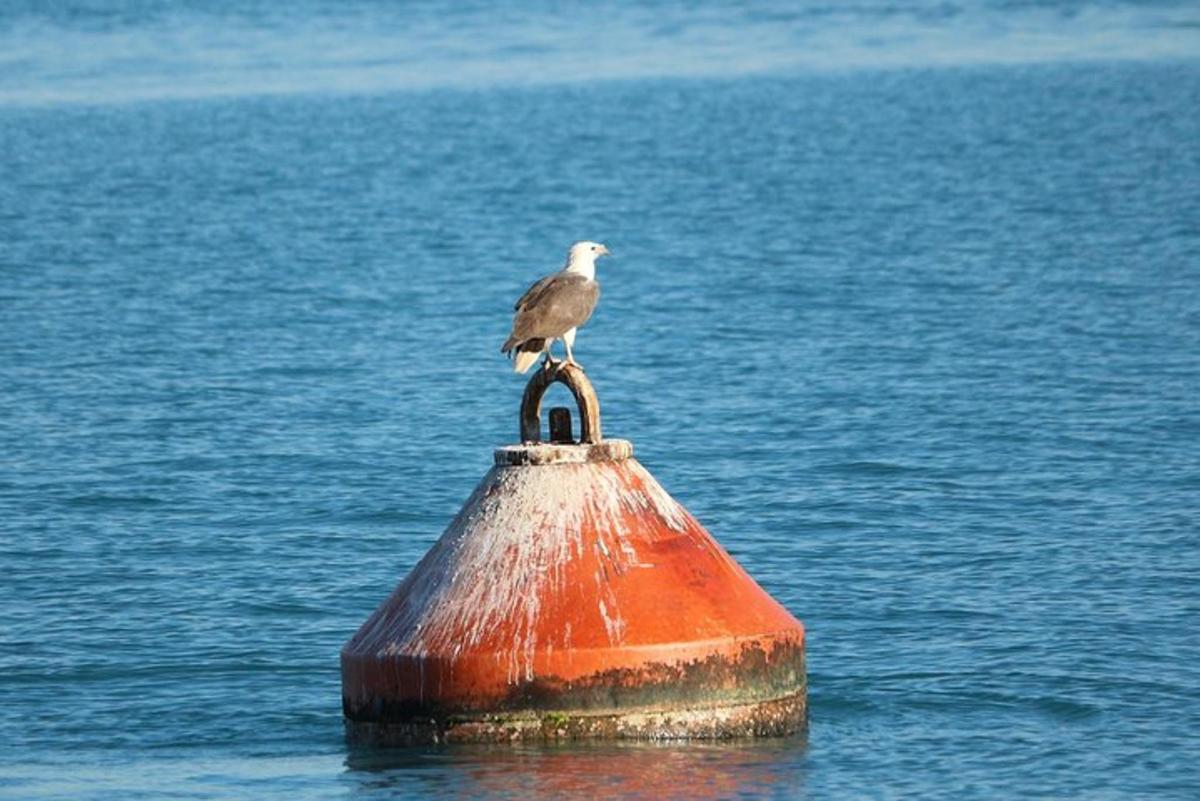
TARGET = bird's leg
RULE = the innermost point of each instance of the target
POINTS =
(570, 356)
(568, 340)
(550, 362)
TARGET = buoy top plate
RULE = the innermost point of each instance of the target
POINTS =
(541, 453)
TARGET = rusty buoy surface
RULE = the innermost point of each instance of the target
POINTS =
(573, 597)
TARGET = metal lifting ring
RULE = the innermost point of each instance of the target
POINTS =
(576, 380)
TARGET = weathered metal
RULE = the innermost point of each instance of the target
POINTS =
(573, 377)
(560, 426)
(573, 597)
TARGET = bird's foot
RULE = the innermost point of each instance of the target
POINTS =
(572, 363)
(550, 363)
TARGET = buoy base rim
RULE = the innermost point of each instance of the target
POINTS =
(777, 717)
(669, 676)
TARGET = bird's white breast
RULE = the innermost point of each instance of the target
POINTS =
(584, 265)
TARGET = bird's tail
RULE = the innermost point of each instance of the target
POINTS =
(524, 354)
(524, 359)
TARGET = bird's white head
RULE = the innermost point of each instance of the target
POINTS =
(581, 258)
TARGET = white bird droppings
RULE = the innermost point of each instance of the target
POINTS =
(506, 551)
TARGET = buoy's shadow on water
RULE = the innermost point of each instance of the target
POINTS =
(670, 769)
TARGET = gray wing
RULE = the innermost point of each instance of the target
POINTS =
(534, 290)
(554, 305)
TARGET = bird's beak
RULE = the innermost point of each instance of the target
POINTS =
(604, 251)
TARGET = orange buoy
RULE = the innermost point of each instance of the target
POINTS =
(573, 597)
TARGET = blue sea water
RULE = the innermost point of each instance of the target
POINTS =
(905, 307)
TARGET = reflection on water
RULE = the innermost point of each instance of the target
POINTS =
(742, 768)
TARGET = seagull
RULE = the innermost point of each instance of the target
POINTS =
(554, 308)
